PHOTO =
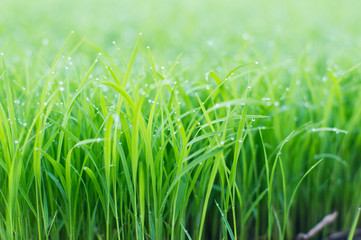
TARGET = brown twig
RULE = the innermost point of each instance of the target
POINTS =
(328, 219)
(344, 235)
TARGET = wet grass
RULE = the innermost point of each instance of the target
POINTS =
(220, 121)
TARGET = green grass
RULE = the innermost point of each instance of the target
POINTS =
(239, 121)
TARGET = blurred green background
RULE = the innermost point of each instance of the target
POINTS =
(208, 32)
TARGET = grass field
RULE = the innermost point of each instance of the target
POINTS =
(179, 119)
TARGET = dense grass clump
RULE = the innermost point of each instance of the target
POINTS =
(220, 121)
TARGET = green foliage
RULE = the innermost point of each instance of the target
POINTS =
(240, 121)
